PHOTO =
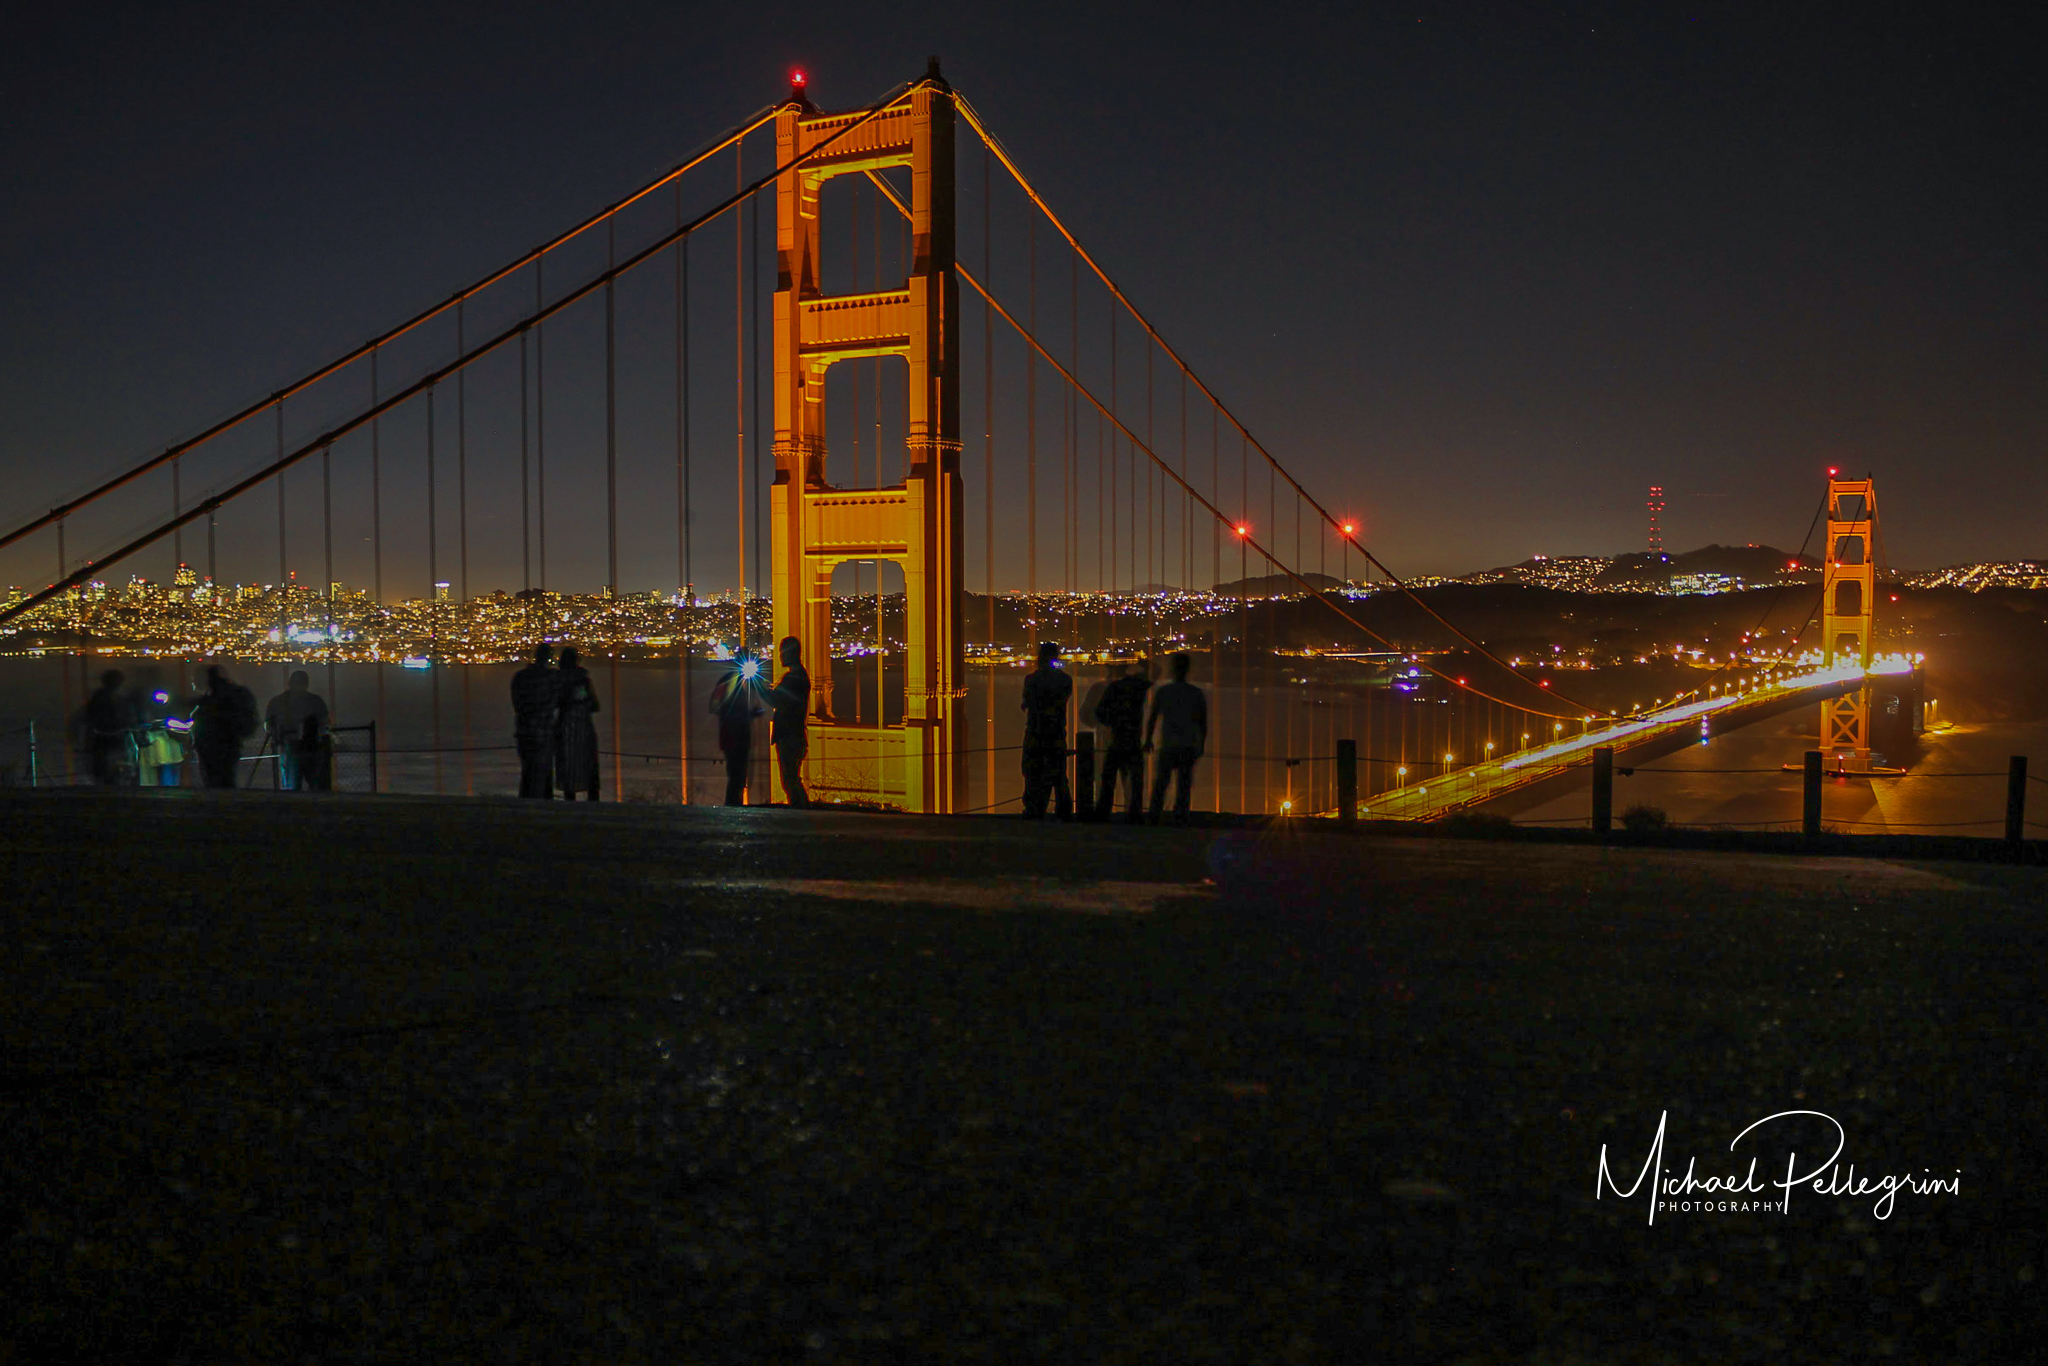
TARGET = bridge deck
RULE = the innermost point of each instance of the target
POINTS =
(1466, 787)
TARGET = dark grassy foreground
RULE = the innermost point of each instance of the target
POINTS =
(406, 1080)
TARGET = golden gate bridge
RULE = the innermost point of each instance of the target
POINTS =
(1108, 468)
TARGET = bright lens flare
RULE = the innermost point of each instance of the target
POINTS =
(751, 670)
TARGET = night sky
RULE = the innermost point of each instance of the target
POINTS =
(1479, 277)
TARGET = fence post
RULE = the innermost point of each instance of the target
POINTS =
(1347, 782)
(373, 759)
(1810, 817)
(1084, 775)
(31, 753)
(1603, 790)
(2016, 800)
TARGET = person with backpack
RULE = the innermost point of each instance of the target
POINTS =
(1122, 710)
(223, 717)
(108, 732)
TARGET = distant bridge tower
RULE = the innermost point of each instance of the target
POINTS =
(1656, 506)
(917, 524)
(1848, 599)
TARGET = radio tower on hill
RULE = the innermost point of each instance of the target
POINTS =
(1656, 506)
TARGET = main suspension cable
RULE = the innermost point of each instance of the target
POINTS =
(370, 347)
(1243, 533)
(425, 383)
(1009, 164)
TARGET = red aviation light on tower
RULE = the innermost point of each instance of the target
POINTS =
(1833, 471)
(796, 79)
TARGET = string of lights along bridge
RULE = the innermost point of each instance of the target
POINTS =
(843, 376)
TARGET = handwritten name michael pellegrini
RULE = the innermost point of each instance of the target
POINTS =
(1728, 1192)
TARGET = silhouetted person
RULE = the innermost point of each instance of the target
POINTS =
(109, 733)
(734, 702)
(1180, 719)
(159, 754)
(1122, 710)
(792, 698)
(535, 692)
(222, 718)
(1046, 692)
(575, 735)
(291, 716)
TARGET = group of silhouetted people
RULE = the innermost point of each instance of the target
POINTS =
(552, 707)
(741, 695)
(139, 737)
(1176, 729)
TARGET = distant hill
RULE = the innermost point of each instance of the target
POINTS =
(1274, 585)
(1750, 563)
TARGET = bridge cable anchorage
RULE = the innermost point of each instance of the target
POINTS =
(434, 377)
(1244, 536)
(369, 348)
(1016, 173)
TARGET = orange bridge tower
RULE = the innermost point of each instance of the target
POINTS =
(1848, 598)
(915, 765)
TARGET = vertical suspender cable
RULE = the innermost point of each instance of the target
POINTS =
(739, 381)
(65, 672)
(178, 536)
(540, 438)
(461, 470)
(1114, 408)
(284, 592)
(988, 475)
(881, 640)
(327, 565)
(462, 540)
(433, 598)
(684, 588)
(611, 491)
(853, 280)
(755, 487)
(1187, 508)
(383, 734)
(525, 499)
(1031, 441)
